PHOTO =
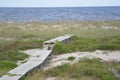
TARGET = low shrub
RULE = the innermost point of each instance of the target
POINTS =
(71, 58)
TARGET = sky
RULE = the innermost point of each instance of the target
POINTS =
(58, 3)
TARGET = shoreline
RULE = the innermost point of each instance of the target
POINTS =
(59, 21)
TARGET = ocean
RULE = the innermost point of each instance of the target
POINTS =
(59, 13)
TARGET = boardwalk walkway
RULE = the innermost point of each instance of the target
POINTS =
(35, 62)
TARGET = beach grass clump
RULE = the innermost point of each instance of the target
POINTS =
(8, 60)
(28, 36)
(38, 75)
(109, 47)
(116, 66)
(88, 44)
(61, 48)
(17, 45)
(5, 66)
(71, 58)
(85, 69)
(28, 44)
(13, 56)
(10, 51)
(88, 68)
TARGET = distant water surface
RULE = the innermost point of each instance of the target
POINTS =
(56, 14)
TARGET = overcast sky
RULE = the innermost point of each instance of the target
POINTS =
(58, 3)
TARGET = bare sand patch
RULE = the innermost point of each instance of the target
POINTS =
(113, 56)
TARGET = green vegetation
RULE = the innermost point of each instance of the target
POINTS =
(5, 66)
(37, 75)
(8, 60)
(61, 48)
(44, 30)
(104, 35)
(13, 74)
(88, 44)
(9, 52)
(86, 69)
(117, 67)
(21, 45)
(71, 58)
(12, 56)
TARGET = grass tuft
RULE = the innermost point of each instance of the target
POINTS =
(71, 58)
(5, 66)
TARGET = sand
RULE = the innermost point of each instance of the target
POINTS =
(110, 56)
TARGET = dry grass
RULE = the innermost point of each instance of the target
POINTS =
(50, 30)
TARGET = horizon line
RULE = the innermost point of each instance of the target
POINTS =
(52, 6)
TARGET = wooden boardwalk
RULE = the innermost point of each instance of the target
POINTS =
(35, 62)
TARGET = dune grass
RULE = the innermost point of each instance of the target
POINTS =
(5, 66)
(83, 70)
(49, 30)
(8, 60)
(71, 58)
(104, 35)
(88, 44)
(10, 52)
(12, 56)
(117, 67)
